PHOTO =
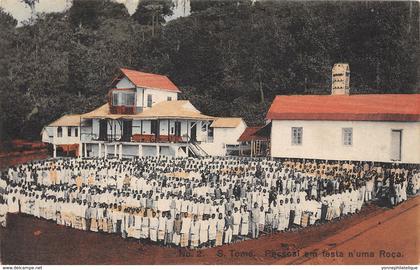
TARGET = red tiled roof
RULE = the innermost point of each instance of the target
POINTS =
(249, 135)
(149, 80)
(385, 107)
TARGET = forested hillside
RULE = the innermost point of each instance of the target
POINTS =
(229, 58)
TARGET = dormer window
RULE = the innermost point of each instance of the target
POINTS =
(149, 101)
(123, 98)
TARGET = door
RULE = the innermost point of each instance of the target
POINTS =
(103, 130)
(127, 130)
(193, 132)
(396, 137)
(177, 128)
(154, 127)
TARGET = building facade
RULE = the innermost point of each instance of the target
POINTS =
(382, 128)
(63, 134)
(226, 132)
(347, 140)
(143, 117)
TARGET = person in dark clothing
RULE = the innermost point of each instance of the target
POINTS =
(217, 192)
(330, 187)
(88, 216)
(392, 193)
(237, 191)
(279, 186)
(292, 215)
(272, 195)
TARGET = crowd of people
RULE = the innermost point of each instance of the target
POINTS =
(198, 202)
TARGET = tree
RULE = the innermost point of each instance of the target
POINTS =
(7, 50)
(229, 58)
(152, 13)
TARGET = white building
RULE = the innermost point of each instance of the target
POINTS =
(143, 117)
(63, 133)
(226, 132)
(382, 128)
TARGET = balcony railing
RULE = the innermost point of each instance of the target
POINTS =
(143, 138)
(122, 109)
(151, 138)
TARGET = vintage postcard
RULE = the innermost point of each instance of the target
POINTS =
(206, 132)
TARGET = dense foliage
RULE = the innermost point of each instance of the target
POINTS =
(229, 58)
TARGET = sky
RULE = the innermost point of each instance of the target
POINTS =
(21, 12)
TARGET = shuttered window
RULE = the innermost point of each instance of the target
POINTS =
(297, 134)
(59, 132)
(348, 136)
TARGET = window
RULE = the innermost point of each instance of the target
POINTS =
(297, 133)
(115, 98)
(149, 101)
(210, 132)
(130, 99)
(68, 131)
(120, 98)
(59, 132)
(76, 132)
(203, 126)
(169, 98)
(348, 136)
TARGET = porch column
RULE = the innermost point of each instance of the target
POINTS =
(80, 153)
(140, 150)
(188, 131)
(169, 127)
(141, 127)
(99, 150)
(157, 150)
(115, 150)
(120, 152)
(54, 151)
(86, 155)
(106, 150)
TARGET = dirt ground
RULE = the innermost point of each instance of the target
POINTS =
(10, 159)
(375, 236)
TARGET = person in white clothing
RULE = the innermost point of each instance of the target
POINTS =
(195, 232)
(236, 223)
(212, 230)
(185, 230)
(153, 227)
(244, 222)
(204, 231)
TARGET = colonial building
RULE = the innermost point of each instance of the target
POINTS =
(226, 132)
(63, 134)
(143, 117)
(340, 126)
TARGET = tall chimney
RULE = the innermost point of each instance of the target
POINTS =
(340, 79)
